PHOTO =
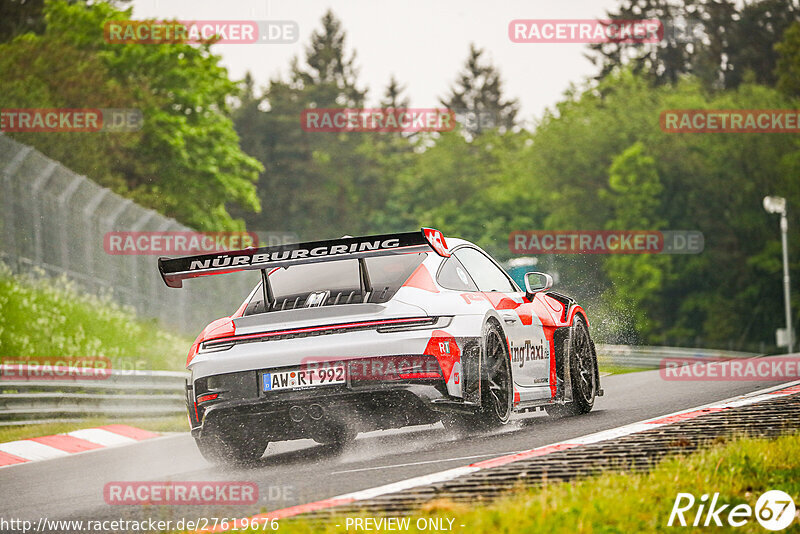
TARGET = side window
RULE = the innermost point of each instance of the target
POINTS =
(453, 275)
(487, 275)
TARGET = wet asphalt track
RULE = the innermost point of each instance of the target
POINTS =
(301, 471)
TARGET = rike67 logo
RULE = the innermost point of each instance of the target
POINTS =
(774, 510)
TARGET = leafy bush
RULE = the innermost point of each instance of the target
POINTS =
(49, 317)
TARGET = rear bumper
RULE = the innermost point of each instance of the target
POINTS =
(217, 357)
(361, 404)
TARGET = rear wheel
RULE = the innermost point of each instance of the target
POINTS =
(497, 391)
(230, 448)
(582, 371)
(336, 434)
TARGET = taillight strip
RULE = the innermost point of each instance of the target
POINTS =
(340, 326)
(207, 397)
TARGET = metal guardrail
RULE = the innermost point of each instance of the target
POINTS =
(645, 357)
(121, 394)
(161, 393)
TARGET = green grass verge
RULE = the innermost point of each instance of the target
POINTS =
(625, 502)
(44, 317)
(176, 423)
(615, 370)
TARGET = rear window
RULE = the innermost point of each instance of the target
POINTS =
(292, 286)
(298, 280)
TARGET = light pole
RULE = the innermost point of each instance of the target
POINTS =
(778, 205)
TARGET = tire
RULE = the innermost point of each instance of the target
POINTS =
(230, 448)
(337, 435)
(582, 371)
(497, 390)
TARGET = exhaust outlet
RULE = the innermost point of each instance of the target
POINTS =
(316, 412)
(296, 413)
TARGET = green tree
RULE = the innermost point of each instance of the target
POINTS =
(663, 62)
(788, 65)
(719, 41)
(329, 77)
(713, 183)
(478, 97)
(20, 16)
(634, 194)
(185, 162)
(751, 47)
(479, 190)
(316, 184)
(40, 72)
(392, 96)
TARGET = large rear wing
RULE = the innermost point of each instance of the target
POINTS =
(175, 270)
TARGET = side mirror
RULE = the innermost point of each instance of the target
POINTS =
(537, 282)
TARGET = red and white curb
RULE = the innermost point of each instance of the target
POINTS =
(45, 447)
(450, 474)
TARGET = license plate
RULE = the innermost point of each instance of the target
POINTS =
(302, 378)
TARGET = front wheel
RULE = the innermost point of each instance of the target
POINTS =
(582, 370)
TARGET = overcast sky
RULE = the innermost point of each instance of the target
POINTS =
(423, 43)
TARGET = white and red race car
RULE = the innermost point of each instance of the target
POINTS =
(384, 331)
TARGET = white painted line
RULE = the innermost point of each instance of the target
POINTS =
(450, 474)
(742, 402)
(425, 462)
(81, 453)
(633, 428)
(102, 437)
(424, 480)
(610, 434)
(31, 450)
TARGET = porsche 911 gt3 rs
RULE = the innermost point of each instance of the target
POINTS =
(376, 332)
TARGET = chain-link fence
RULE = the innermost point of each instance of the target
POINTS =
(56, 220)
